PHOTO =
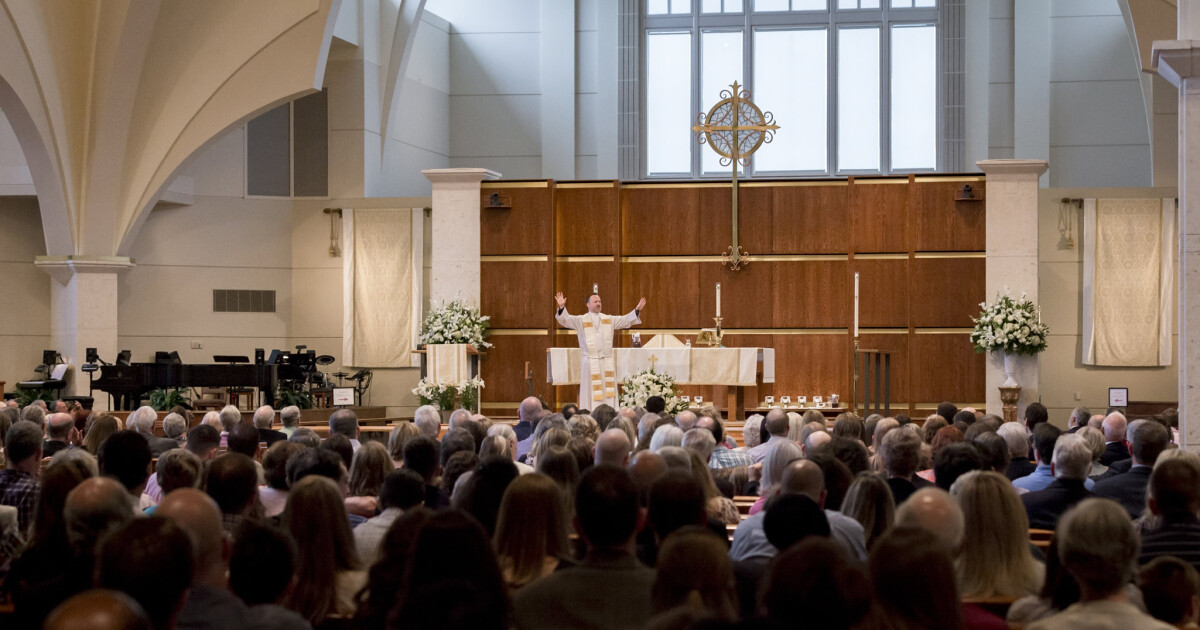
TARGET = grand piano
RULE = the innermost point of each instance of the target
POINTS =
(128, 384)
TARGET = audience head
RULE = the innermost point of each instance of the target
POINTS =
(900, 452)
(815, 579)
(230, 417)
(318, 462)
(60, 478)
(23, 444)
(1171, 590)
(701, 441)
(882, 427)
(806, 478)
(779, 455)
(125, 456)
(994, 450)
(306, 437)
(776, 423)
(428, 420)
(262, 565)
(150, 559)
(666, 435)
(99, 609)
(1035, 414)
(933, 510)
(1097, 422)
(994, 559)
(174, 426)
(1114, 427)
(656, 405)
(316, 517)
(1095, 440)
(602, 415)
(34, 413)
(607, 512)
(851, 452)
(459, 466)
(232, 481)
(59, 426)
(455, 440)
(1174, 489)
(102, 427)
(676, 500)
(263, 417)
(955, 460)
(93, 508)
(1072, 458)
(750, 430)
(904, 563)
(1150, 439)
(584, 451)
(947, 410)
(613, 448)
(1018, 441)
(532, 526)
(792, 518)
(645, 468)
(368, 468)
(815, 440)
(142, 420)
(485, 490)
(869, 501)
(1097, 545)
(339, 445)
(200, 517)
(213, 419)
(400, 435)
(848, 425)
(290, 416)
(1045, 435)
(694, 570)
(1079, 417)
(178, 468)
(933, 424)
(243, 439)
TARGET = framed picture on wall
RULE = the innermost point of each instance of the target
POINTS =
(1118, 396)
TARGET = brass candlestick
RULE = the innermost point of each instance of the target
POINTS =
(718, 320)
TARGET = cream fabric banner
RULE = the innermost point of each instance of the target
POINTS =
(377, 293)
(1128, 281)
(447, 363)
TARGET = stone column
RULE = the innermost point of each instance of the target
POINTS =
(1012, 260)
(455, 247)
(83, 312)
(1178, 61)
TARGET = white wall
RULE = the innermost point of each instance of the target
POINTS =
(1060, 276)
(1098, 125)
(25, 316)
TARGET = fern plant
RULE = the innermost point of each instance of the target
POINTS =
(286, 397)
(163, 399)
(25, 397)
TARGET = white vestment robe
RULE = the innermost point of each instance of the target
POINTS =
(597, 372)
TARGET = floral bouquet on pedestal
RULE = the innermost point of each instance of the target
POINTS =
(1012, 326)
(635, 389)
(447, 397)
(455, 323)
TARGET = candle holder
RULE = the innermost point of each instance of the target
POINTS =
(711, 337)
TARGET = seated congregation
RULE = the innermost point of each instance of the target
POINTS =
(597, 519)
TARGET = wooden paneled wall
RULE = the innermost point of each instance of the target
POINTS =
(918, 250)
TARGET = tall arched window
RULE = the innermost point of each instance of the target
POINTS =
(857, 86)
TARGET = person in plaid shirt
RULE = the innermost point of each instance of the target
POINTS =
(18, 481)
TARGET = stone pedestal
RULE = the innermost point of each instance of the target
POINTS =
(1012, 259)
(1008, 399)
(456, 195)
(1178, 61)
(83, 312)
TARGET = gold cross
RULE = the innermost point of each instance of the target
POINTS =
(653, 360)
(735, 113)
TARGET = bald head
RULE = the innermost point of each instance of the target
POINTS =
(199, 516)
(529, 410)
(804, 477)
(646, 468)
(1114, 427)
(686, 420)
(93, 508)
(815, 439)
(59, 426)
(612, 447)
(99, 609)
(776, 422)
(933, 509)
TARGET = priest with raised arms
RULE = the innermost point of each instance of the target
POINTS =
(598, 372)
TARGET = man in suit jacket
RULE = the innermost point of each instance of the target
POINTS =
(1175, 499)
(1018, 449)
(1114, 437)
(142, 421)
(1070, 464)
(1079, 419)
(1149, 440)
(264, 416)
(609, 589)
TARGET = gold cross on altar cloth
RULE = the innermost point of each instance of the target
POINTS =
(735, 128)
(653, 360)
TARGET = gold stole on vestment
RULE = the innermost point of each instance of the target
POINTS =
(603, 370)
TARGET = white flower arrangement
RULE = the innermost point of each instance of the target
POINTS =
(445, 396)
(455, 323)
(636, 388)
(1009, 325)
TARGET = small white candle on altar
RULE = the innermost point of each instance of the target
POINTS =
(856, 305)
(718, 299)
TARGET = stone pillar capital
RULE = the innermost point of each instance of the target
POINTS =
(1176, 59)
(63, 268)
(452, 176)
(1013, 169)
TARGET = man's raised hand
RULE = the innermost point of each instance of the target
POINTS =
(641, 305)
(562, 301)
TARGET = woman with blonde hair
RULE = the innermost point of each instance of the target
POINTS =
(328, 570)
(795, 426)
(716, 505)
(400, 436)
(531, 531)
(995, 561)
(104, 426)
(1095, 440)
(869, 501)
(553, 436)
(370, 465)
(694, 578)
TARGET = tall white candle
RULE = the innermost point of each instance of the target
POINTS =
(718, 299)
(856, 305)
